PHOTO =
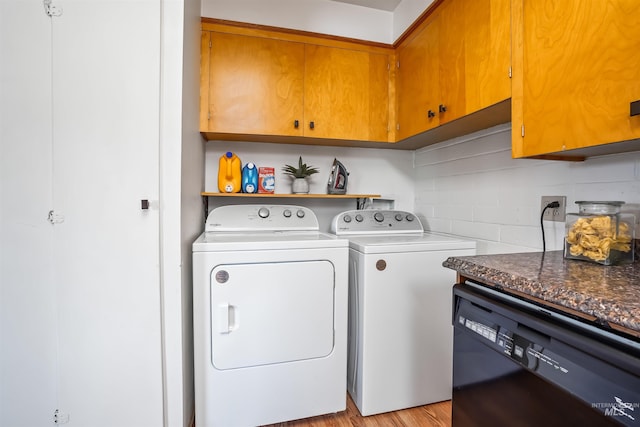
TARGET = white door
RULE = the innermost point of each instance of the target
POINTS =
(28, 316)
(80, 300)
(106, 58)
(265, 313)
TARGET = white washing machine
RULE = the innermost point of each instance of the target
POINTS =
(270, 317)
(400, 301)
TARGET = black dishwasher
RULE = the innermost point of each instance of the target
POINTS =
(519, 364)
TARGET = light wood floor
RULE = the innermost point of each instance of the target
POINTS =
(435, 415)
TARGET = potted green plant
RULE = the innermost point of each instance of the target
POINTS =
(299, 175)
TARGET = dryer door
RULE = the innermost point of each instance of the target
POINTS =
(266, 313)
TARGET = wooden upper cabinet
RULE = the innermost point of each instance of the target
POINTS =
(267, 85)
(252, 85)
(451, 15)
(346, 94)
(417, 82)
(456, 63)
(487, 27)
(576, 70)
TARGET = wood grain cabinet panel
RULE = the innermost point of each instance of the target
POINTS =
(267, 86)
(346, 94)
(451, 15)
(576, 70)
(456, 63)
(487, 28)
(253, 85)
(417, 82)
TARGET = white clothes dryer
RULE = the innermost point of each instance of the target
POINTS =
(270, 317)
(400, 302)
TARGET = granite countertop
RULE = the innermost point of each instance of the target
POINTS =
(607, 295)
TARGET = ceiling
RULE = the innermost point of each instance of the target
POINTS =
(389, 5)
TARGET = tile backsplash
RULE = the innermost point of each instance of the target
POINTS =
(471, 186)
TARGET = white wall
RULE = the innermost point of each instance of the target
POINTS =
(371, 171)
(472, 187)
(406, 13)
(191, 176)
(182, 161)
(321, 16)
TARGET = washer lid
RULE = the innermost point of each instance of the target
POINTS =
(376, 244)
(271, 240)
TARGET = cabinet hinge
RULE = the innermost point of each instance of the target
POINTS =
(510, 72)
(522, 130)
(398, 126)
(210, 44)
(55, 218)
(51, 9)
(398, 64)
(60, 417)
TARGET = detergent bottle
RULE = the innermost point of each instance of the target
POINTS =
(229, 173)
(249, 178)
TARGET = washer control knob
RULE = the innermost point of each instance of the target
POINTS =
(398, 217)
(410, 217)
(287, 213)
(300, 213)
(378, 217)
(263, 212)
(347, 218)
(359, 218)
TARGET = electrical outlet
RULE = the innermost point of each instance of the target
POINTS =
(554, 214)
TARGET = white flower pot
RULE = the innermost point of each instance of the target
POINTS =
(300, 186)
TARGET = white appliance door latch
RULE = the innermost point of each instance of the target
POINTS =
(55, 218)
(227, 318)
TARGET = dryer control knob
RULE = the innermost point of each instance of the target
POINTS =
(287, 213)
(410, 217)
(300, 213)
(398, 217)
(347, 218)
(359, 218)
(263, 212)
(378, 217)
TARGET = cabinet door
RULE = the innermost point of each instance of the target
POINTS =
(487, 53)
(451, 104)
(579, 69)
(418, 90)
(346, 94)
(431, 74)
(255, 85)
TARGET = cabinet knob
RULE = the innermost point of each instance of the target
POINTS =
(431, 114)
(296, 124)
(442, 108)
(312, 125)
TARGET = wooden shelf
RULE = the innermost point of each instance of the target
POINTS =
(294, 196)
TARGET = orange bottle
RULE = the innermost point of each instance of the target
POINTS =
(229, 173)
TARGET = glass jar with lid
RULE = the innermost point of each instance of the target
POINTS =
(600, 233)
